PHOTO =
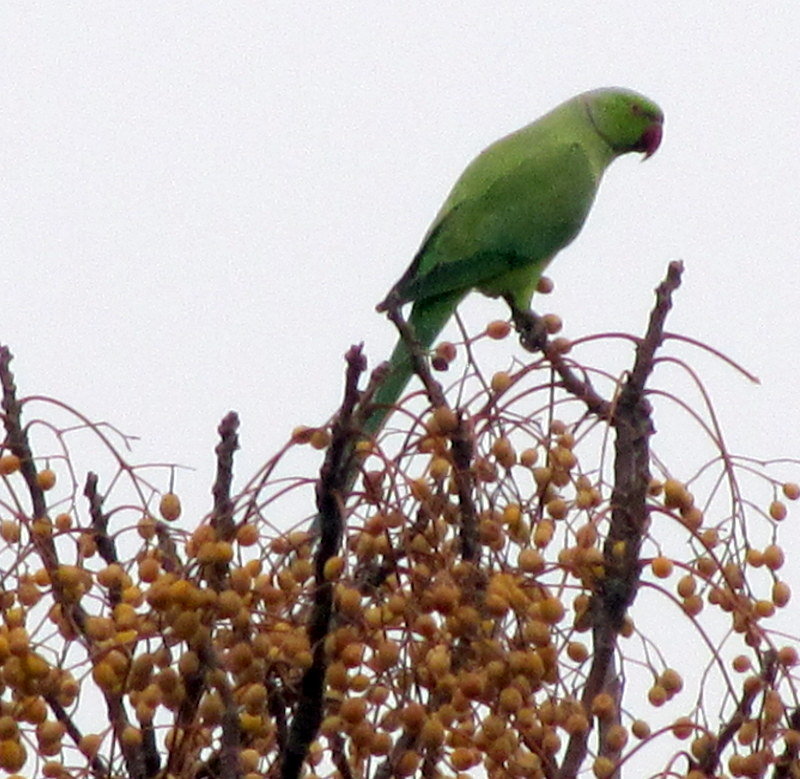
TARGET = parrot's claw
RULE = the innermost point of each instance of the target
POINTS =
(531, 328)
(390, 303)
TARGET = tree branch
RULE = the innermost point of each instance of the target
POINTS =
(334, 482)
(616, 589)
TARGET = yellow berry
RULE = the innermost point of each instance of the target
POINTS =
(46, 479)
(682, 728)
(333, 568)
(543, 533)
(348, 599)
(12, 755)
(692, 518)
(781, 593)
(657, 695)
(603, 767)
(247, 534)
(741, 664)
(407, 763)
(706, 566)
(8, 727)
(302, 434)
(353, 710)
(498, 329)
(432, 734)
(577, 651)
(676, 495)
(773, 557)
(552, 610)
(9, 531)
(464, 758)
(320, 438)
(777, 510)
(445, 351)
(575, 723)
(510, 699)
(531, 561)
(763, 608)
(791, 490)
(557, 508)
(603, 706)
(616, 738)
(501, 381)
(149, 569)
(50, 732)
(170, 506)
(381, 744)
(787, 656)
(439, 468)
(709, 538)
(661, 567)
(503, 450)
(106, 677)
(9, 463)
(249, 760)
(132, 736)
(562, 345)
(552, 323)
(18, 641)
(687, 586)
(223, 552)
(413, 716)
(146, 527)
(445, 420)
(671, 681)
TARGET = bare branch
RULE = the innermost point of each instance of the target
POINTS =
(334, 481)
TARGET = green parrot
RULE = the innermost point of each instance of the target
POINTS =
(516, 205)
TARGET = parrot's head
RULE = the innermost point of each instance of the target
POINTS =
(625, 120)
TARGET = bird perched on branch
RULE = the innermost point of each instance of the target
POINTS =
(516, 205)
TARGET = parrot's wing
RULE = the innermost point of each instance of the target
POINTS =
(426, 279)
(518, 221)
(467, 273)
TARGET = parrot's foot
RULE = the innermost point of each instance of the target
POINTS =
(531, 328)
(391, 302)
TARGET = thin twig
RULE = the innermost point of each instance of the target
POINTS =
(105, 544)
(222, 514)
(533, 338)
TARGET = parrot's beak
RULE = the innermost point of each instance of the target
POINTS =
(651, 139)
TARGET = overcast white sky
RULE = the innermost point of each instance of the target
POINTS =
(202, 202)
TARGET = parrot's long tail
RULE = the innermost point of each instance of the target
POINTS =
(427, 319)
